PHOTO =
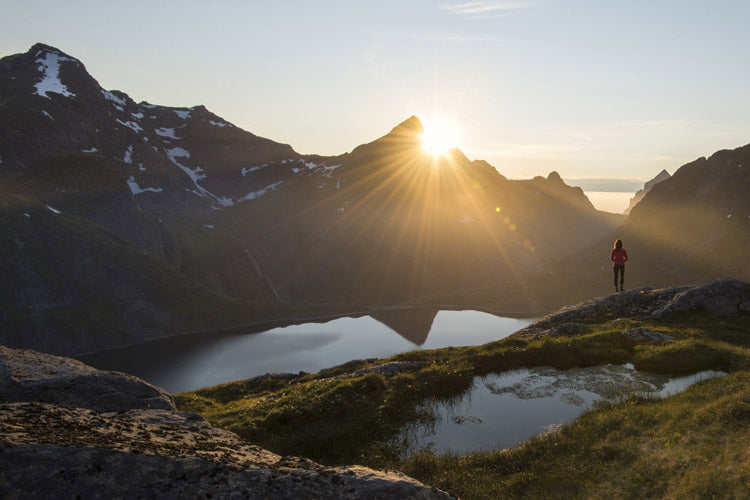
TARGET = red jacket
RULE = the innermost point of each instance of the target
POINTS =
(618, 256)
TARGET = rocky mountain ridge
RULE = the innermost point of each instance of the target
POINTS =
(130, 221)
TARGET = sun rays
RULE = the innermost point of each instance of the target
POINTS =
(439, 137)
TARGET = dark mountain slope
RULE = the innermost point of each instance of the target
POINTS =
(185, 204)
(696, 225)
(692, 227)
(394, 223)
(127, 212)
(70, 286)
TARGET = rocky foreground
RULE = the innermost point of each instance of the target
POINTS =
(69, 430)
(724, 297)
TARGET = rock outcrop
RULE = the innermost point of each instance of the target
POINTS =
(724, 296)
(27, 375)
(69, 430)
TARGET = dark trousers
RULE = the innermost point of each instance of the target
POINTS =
(619, 268)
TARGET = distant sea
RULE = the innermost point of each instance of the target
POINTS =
(609, 201)
(608, 195)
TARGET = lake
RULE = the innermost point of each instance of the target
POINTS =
(185, 363)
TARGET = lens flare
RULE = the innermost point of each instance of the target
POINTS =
(439, 137)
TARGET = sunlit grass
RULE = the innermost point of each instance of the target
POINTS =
(683, 446)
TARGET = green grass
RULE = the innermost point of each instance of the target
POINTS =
(694, 444)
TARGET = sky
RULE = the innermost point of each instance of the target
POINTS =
(589, 88)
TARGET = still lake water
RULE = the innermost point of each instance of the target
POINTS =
(503, 410)
(189, 362)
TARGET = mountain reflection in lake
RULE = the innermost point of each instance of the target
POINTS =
(503, 410)
(190, 362)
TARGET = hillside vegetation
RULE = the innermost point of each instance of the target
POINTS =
(687, 445)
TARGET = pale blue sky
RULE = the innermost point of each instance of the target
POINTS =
(590, 88)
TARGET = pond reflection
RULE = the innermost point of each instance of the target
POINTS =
(412, 324)
(189, 362)
(502, 410)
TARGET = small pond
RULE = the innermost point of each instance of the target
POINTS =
(502, 410)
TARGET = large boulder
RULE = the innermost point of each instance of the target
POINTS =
(69, 430)
(27, 375)
(724, 297)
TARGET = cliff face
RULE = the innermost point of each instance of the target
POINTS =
(641, 193)
(69, 430)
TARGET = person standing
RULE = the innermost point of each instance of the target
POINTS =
(619, 256)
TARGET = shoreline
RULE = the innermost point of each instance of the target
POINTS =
(269, 324)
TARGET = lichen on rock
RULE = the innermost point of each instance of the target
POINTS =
(68, 430)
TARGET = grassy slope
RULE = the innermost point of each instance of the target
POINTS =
(693, 444)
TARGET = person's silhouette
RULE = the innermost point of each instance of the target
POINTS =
(619, 256)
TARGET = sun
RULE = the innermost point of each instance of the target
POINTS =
(439, 137)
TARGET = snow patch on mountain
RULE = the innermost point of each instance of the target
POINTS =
(47, 115)
(131, 125)
(49, 66)
(90, 150)
(175, 153)
(137, 115)
(118, 102)
(184, 114)
(219, 124)
(195, 174)
(166, 132)
(257, 194)
(128, 158)
(136, 189)
(246, 171)
(111, 97)
(53, 210)
(329, 170)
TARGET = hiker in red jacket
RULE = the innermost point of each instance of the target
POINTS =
(619, 256)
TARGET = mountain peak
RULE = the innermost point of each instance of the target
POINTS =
(554, 176)
(39, 48)
(641, 193)
(407, 133)
(42, 52)
(412, 123)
